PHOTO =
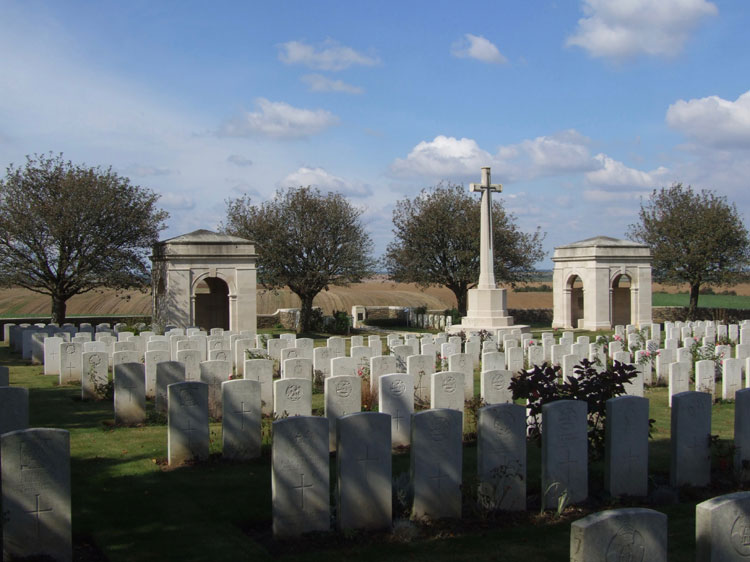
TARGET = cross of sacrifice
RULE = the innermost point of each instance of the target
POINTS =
(486, 256)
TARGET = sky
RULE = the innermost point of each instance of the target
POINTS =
(581, 108)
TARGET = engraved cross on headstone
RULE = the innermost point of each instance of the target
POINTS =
(301, 489)
(397, 418)
(37, 513)
(365, 460)
(486, 257)
(242, 411)
(439, 475)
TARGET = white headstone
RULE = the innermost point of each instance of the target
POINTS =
(630, 534)
(731, 379)
(152, 359)
(95, 374)
(14, 408)
(130, 393)
(213, 373)
(52, 355)
(564, 452)
(494, 386)
(501, 457)
(261, 370)
(396, 397)
(292, 397)
(342, 396)
(462, 363)
(191, 359)
(36, 494)
(381, 365)
(679, 380)
(722, 528)
(446, 390)
(343, 366)
(300, 476)
(363, 462)
(300, 368)
(322, 360)
(690, 459)
(742, 434)
(436, 463)
(241, 434)
(626, 446)
(493, 361)
(167, 372)
(70, 362)
(421, 368)
(705, 377)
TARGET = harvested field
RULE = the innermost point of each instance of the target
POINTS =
(375, 292)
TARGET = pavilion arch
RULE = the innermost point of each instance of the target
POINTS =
(620, 288)
(575, 294)
(615, 286)
(210, 298)
(205, 279)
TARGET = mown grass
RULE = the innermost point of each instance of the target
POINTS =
(704, 301)
(131, 507)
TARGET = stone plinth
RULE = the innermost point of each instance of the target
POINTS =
(487, 308)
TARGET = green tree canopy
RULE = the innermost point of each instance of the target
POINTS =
(305, 240)
(695, 238)
(437, 238)
(67, 229)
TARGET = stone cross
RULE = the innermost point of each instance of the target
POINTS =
(486, 256)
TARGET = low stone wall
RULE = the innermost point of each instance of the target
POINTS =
(533, 316)
(77, 320)
(287, 317)
(661, 314)
(386, 312)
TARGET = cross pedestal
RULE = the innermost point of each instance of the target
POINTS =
(486, 304)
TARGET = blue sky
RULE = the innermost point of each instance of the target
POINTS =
(580, 107)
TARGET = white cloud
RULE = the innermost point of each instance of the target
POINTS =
(713, 121)
(329, 55)
(320, 83)
(279, 120)
(320, 178)
(176, 201)
(564, 152)
(624, 28)
(239, 160)
(477, 47)
(448, 157)
(443, 157)
(615, 174)
(144, 171)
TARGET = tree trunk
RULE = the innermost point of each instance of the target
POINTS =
(461, 297)
(694, 292)
(58, 310)
(306, 313)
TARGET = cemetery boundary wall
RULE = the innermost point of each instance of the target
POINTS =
(661, 314)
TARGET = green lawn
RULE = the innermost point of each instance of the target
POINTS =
(704, 301)
(128, 506)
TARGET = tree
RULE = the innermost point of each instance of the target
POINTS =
(67, 229)
(695, 238)
(437, 242)
(305, 240)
